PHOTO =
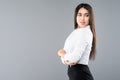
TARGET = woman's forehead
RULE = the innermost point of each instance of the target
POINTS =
(83, 10)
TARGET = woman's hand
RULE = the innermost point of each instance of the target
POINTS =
(61, 52)
(68, 63)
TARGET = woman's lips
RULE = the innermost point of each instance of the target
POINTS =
(82, 23)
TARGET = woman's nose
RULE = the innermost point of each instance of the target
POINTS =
(82, 18)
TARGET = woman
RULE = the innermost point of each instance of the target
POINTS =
(80, 46)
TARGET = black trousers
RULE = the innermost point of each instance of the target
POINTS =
(79, 72)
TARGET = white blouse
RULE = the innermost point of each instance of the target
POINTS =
(78, 46)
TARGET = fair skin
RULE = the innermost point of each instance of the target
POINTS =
(82, 21)
(82, 18)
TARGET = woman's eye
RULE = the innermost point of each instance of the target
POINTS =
(87, 15)
(79, 15)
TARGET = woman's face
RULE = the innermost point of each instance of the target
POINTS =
(82, 17)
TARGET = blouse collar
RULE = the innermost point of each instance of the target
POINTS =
(86, 27)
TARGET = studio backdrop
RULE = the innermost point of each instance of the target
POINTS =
(31, 32)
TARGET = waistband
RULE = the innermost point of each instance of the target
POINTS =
(77, 65)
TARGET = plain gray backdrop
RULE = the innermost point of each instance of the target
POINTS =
(31, 32)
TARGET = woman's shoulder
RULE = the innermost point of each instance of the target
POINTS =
(84, 33)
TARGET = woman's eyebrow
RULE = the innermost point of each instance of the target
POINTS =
(82, 13)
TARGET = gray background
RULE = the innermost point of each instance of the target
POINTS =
(31, 32)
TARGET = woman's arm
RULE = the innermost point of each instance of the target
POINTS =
(79, 42)
(62, 53)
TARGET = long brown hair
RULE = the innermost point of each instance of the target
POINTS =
(91, 23)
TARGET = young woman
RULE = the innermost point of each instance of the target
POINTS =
(80, 46)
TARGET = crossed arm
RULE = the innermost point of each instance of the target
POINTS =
(62, 53)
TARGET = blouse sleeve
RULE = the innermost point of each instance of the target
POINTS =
(62, 59)
(79, 46)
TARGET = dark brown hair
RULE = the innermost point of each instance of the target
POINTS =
(91, 23)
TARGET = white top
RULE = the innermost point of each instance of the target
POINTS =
(78, 46)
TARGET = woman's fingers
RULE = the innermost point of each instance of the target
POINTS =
(68, 63)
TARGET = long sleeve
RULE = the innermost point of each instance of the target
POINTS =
(78, 45)
(62, 59)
